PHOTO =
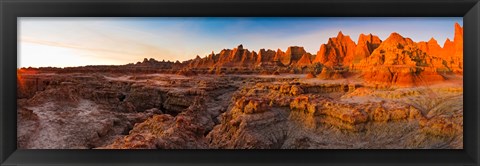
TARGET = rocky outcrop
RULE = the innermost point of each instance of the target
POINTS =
(457, 62)
(334, 52)
(450, 57)
(365, 46)
(398, 61)
(236, 57)
(267, 115)
(240, 57)
(266, 58)
(250, 124)
(292, 55)
(342, 52)
(280, 57)
(304, 61)
(352, 116)
(185, 131)
(431, 47)
(28, 83)
(448, 48)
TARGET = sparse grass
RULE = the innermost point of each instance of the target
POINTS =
(424, 104)
(448, 106)
(391, 135)
(434, 106)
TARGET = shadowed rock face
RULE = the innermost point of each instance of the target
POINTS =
(184, 131)
(265, 57)
(390, 94)
(365, 46)
(292, 55)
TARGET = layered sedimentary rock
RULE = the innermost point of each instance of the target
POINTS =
(171, 111)
(398, 61)
(365, 46)
(266, 57)
(184, 131)
(297, 115)
(334, 52)
(245, 59)
(457, 61)
(304, 60)
(236, 57)
(280, 57)
(250, 124)
(448, 48)
(106, 105)
(293, 54)
(431, 47)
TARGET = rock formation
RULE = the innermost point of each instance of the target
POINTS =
(457, 62)
(365, 46)
(266, 58)
(398, 61)
(304, 60)
(334, 52)
(185, 131)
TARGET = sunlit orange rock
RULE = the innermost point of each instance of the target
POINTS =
(399, 61)
(280, 57)
(457, 65)
(448, 49)
(265, 57)
(310, 75)
(256, 106)
(365, 46)
(431, 47)
(292, 55)
(304, 61)
(458, 40)
(336, 49)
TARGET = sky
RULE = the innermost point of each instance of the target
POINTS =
(66, 42)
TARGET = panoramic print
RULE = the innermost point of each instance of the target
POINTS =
(240, 83)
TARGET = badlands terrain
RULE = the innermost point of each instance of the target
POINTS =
(368, 94)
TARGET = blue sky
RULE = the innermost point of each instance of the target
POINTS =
(95, 41)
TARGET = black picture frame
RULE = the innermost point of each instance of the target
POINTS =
(11, 9)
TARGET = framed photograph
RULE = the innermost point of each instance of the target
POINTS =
(312, 82)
